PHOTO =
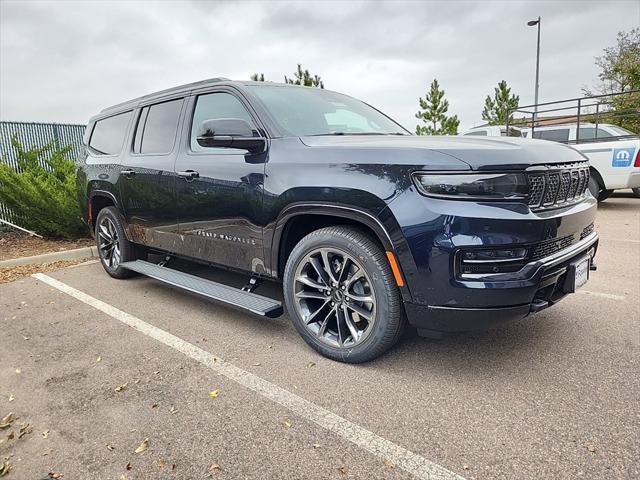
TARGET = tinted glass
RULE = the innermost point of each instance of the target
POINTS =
(108, 134)
(589, 133)
(303, 111)
(559, 135)
(215, 106)
(481, 133)
(157, 128)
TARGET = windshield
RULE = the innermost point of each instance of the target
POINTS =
(301, 111)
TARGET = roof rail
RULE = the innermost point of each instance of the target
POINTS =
(186, 86)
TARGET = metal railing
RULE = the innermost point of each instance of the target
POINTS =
(593, 110)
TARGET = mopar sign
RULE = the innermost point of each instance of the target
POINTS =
(622, 157)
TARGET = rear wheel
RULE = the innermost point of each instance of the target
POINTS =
(341, 295)
(596, 189)
(113, 246)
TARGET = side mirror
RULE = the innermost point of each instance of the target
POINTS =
(229, 133)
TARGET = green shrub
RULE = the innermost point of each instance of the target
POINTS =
(42, 191)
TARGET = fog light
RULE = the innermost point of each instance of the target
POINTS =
(502, 255)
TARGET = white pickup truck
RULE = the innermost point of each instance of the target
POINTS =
(613, 152)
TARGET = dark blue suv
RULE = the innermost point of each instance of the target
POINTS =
(367, 226)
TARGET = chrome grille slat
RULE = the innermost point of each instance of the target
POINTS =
(558, 185)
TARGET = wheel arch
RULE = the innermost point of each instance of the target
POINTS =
(99, 199)
(296, 221)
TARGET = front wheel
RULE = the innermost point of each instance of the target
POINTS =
(636, 191)
(341, 295)
(597, 191)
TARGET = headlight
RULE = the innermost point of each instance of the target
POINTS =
(473, 186)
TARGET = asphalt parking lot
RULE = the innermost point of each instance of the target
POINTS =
(555, 395)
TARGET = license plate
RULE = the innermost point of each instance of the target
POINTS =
(582, 273)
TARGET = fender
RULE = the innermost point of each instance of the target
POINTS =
(381, 231)
(98, 193)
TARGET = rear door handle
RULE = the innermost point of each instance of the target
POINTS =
(188, 174)
(128, 173)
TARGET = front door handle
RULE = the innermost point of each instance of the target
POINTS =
(188, 174)
(128, 173)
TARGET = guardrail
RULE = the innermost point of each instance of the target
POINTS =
(618, 109)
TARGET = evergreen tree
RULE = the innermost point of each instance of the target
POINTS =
(497, 109)
(433, 111)
(303, 77)
(258, 77)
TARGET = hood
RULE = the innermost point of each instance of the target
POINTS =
(479, 153)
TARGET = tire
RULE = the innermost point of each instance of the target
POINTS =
(353, 324)
(113, 246)
(604, 194)
(597, 191)
(636, 191)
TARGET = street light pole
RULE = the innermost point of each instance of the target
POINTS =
(531, 24)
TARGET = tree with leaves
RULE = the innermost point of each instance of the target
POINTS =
(303, 77)
(497, 109)
(433, 113)
(257, 77)
(620, 73)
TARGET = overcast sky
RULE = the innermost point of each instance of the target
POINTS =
(62, 61)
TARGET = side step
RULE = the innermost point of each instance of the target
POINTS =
(233, 296)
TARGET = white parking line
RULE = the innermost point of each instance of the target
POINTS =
(610, 296)
(369, 441)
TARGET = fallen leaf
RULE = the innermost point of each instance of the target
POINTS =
(120, 388)
(295, 387)
(6, 421)
(214, 393)
(155, 405)
(156, 372)
(56, 475)
(98, 360)
(110, 447)
(162, 462)
(388, 463)
(24, 429)
(11, 435)
(25, 337)
(136, 382)
(287, 423)
(11, 398)
(310, 365)
(129, 466)
(343, 470)
(173, 410)
(591, 448)
(214, 466)
(5, 468)
(465, 467)
(18, 371)
(173, 467)
(256, 364)
(143, 446)
(316, 445)
(45, 434)
(122, 477)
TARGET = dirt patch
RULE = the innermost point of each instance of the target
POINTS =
(9, 274)
(14, 245)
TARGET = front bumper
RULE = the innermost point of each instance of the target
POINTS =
(546, 286)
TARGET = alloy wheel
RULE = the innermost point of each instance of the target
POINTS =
(334, 297)
(109, 243)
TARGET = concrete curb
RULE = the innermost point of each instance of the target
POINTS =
(74, 254)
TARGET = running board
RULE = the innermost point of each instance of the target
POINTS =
(222, 293)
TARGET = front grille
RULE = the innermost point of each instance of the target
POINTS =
(549, 247)
(558, 185)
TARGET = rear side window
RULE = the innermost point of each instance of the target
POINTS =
(559, 135)
(589, 133)
(215, 106)
(157, 127)
(108, 134)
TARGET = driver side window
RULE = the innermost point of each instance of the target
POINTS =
(214, 106)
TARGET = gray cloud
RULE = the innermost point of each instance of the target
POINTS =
(63, 61)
